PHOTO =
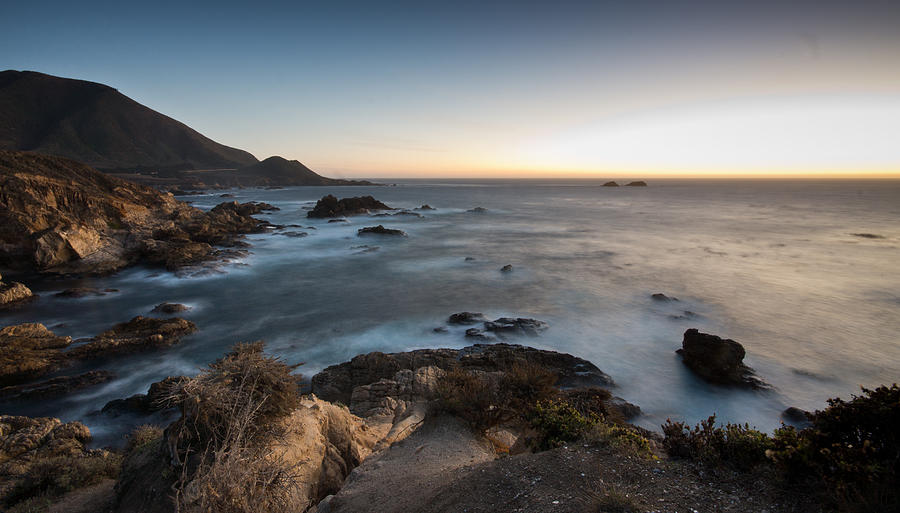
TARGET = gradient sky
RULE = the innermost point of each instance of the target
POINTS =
(630, 88)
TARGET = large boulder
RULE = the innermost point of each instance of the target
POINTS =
(337, 382)
(330, 206)
(717, 360)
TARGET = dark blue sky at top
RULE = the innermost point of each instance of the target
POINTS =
(220, 65)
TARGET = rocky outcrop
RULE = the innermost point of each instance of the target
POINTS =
(57, 215)
(13, 293)
(29, 351)
(380, 230)
(717, 360)
(137, 334)
(610, 184)
(337, 383)
(636, 183)
(517, 326)
(330, 206)
(55, 387)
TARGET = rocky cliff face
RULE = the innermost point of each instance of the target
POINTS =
(57, 215)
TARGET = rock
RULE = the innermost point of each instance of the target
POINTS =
(137, 334)
(29, 351)
(380, 230)
(636, 183)
(440, 329)
(338, 221)
(610, 184)
(868, 235)
(426, 207)
(662, 297)
(226, 195)
(477, 210)
(154, 400)
(337, 382)
(469, 259)
(408, 213)
(59, 216)
(628, 410)
(466, 318)
(14, 293)
(476, 333)
(717, 360)
(329, 206)
(55, 387)
(25, 440)
(520, 326)
(77, 292)
(170, 308)
(796, 415)
(294, 235)
(506, 268)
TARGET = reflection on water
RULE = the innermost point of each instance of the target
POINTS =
(770, 264)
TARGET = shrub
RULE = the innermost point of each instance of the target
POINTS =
(852, 448)
(612, 500)
(232, 413)
(558, 422)
(486, 400)
(733, 444)
(621, 437)
(49, 478)
(593, 401)
(141, 436)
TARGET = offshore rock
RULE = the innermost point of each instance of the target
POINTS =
(330, 206)
(717, 360)
(138, 334)
(55, 387)
(380, 230)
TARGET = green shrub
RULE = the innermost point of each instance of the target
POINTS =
(621, 437)
(593, 401)
(49, 478)
(557, 422)
(733, 444)
(851, 449)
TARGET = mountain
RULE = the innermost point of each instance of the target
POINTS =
(99, 126)
(280, 171)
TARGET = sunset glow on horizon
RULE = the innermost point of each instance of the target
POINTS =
(576, 89)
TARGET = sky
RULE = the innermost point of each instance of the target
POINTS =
(628, 88)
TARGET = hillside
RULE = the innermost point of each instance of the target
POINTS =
(270, 172)
(99, 126)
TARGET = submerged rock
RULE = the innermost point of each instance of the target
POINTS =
(717, 360)
(330, 206)
(466, 318)
(662, 297)
(520, 326)
(380, 230)
(170, 308)
(477, 210)
(55, 387)
(77, 292)
(426, 207)
(868, 235)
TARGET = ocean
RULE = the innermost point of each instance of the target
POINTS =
(777, 265)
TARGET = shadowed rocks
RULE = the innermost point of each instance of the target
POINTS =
(380, 230)
(330, 206)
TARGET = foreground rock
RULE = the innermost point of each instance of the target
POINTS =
(137, 334)
(337, 383)
(59, 216)
(380, 230)
(330, 206)
(717, 360)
